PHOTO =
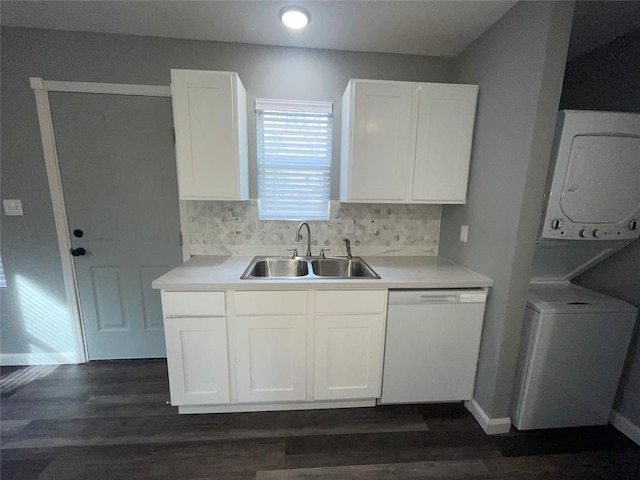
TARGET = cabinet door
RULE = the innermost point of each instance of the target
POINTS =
(270, 355)
(205, 112)
(197, 360)
(446, 116)
(348, 356)
(382, 135)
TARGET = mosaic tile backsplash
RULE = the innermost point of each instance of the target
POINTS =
(233, 228)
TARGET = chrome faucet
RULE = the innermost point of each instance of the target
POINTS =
(347, 244)
(299, 236)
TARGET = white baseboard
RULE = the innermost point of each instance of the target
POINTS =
(272, 407)
(57, 358)
(491, 426)
(625, 426)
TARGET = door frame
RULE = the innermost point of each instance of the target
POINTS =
(41, 89)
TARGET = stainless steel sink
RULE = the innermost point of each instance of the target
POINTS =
(276, 268)
(342, 268)
(309, 268)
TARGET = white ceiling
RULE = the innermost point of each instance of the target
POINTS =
(441, 28)
(427, 27)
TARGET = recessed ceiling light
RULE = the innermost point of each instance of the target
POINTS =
(294, 17)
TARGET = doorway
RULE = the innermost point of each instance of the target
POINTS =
(117, 172)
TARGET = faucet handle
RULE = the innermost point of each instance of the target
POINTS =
(324, 250)
(294, 250)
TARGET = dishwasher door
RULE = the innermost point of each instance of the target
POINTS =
(432, 344)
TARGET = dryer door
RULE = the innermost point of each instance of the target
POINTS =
(602, 184)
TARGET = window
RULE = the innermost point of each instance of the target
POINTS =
(294, 159)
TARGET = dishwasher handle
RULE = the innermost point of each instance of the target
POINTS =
(444, 298)
(431, 297)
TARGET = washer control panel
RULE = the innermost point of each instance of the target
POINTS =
(562, 228)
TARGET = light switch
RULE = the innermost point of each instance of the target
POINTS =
(464, 232)
(12, 207)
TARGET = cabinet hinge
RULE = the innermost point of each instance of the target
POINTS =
(173, 135)
(180, 239)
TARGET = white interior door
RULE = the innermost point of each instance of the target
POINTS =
(117, 166)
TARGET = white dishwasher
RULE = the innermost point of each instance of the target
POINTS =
(432, 344)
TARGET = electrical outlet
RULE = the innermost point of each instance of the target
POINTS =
(464, 232)
(236, 224)
(12, 207)
(373, 227)
(349, 226)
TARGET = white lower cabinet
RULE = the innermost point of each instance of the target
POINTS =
(197, 360)
(348, 356)
(262, 350)
(278, 350)
(270, 354)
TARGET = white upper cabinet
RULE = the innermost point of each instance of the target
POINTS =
(406, 142)
(210, 120)
(446, 115)
(377, 140)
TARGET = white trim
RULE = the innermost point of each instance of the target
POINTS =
(625, 426)
(59, 214)
(101, 88)
(491, 426)
(293, 105)
(272, 407)
(41, 89)
(56, 358)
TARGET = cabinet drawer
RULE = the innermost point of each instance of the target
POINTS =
(354, 301)
(193, 303)
(270, 303)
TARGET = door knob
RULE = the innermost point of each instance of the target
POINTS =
(77, 252)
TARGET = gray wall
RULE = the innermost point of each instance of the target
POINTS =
(609, 79)
(29, 245)
(519, 65)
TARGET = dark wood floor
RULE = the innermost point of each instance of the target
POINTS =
(111, 420)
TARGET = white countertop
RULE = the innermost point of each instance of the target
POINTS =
(215, 272)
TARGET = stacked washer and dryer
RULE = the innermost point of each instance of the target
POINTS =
(575, 340)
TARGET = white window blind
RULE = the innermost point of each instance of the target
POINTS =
(294, 159)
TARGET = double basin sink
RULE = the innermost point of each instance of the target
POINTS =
(308, 268)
